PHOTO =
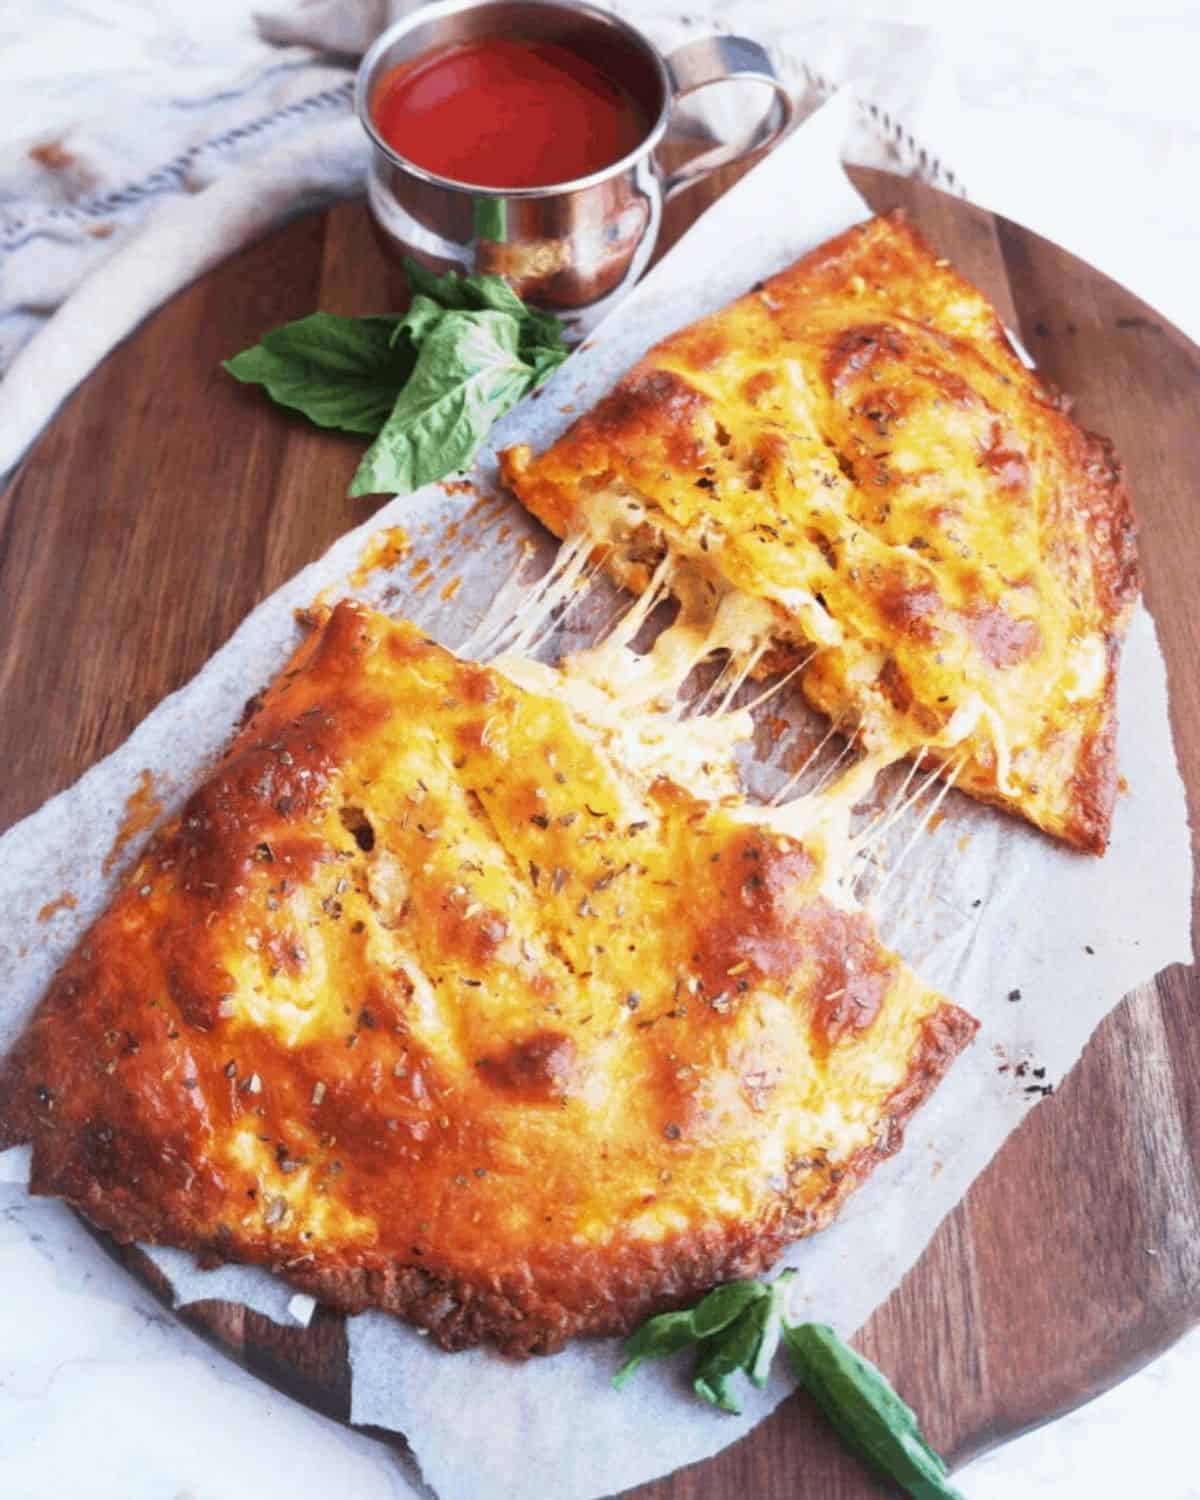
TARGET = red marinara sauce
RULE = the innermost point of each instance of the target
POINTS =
(506, 113)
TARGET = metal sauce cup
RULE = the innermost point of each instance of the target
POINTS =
(573, 247)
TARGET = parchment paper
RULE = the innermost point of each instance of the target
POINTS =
(984, 907)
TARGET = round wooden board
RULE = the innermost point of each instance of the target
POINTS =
(166, 500)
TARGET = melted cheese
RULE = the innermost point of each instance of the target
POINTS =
(965, 723)
(825, 817)
(1087, 670)
(857, 447)
(554, 592)
(629, 698)
(696, 753)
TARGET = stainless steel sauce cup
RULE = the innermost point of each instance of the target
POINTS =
(573, 247)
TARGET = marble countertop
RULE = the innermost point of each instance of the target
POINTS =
(1079, 120)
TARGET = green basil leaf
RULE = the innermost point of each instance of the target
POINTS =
(656, 1339)
(723, 1304)
(771, 1332)
(714, 1384)
(749, 1345)
(543, 363)
(541, 330)
(727, 1352)
(865, 1411)
(467, 375)
(422, 317)
(457, 292)
(340, 372)
(670, 1332)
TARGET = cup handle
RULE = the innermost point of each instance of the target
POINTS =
(717, 59)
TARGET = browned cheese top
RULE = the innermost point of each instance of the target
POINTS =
(856, 443)
(427, 1001)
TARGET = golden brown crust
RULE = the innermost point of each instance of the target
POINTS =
(856, 443)
(427, 1004)
(650, 1279)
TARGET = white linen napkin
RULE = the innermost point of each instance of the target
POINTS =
(103, 220)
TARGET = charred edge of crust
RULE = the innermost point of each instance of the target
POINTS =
(1124, 584)
(1095, 778)
(626, 1285)
(1087, 832)
(1094, 783)
(944, 1034)
(16, 1126)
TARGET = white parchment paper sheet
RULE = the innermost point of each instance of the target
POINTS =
(985, 906)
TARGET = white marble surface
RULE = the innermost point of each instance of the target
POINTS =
(1079, 119)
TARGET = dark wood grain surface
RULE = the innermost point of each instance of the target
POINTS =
(165, 501)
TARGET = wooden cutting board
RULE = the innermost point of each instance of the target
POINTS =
(165, 501)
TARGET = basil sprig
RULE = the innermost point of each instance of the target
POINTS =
(702, 1324)
(866, 1413)
(427, 385)
(340, 372)
(738, 1328)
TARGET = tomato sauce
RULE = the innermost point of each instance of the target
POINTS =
(507, 113)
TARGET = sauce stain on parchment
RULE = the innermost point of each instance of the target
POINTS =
(142, 811)
(486, 508)
(66, 902)
(52, 155)
(384, 549)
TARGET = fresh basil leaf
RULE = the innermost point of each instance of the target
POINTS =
(656, 1339)
(543, 363)
(713, 1382)
(426, 283)
(670, 1332)
(541, 330)
(771, 1332)
(865, 1411)
(738, 1328)
(340, 372)
(723, 1304)
(422, 317)
(453, 290)
(467, 375)
(428, 386)
(748, 1345)
(727, 1352)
